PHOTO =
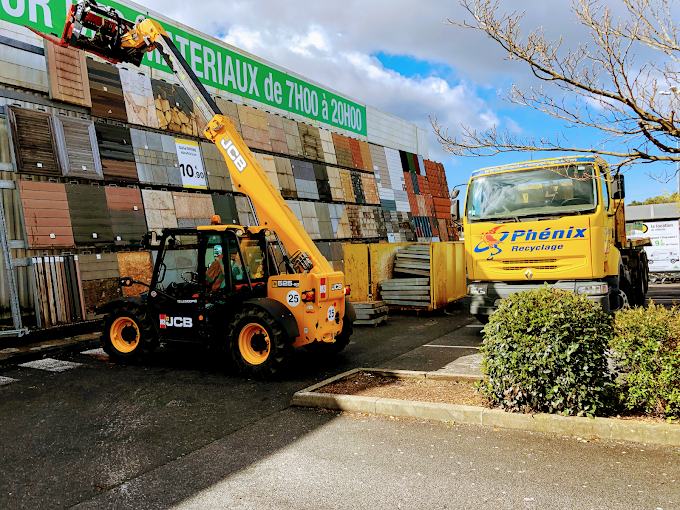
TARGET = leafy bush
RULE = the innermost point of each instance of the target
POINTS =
(647, 349)
(544, 351)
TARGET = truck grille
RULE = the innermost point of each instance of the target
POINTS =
(519, 266)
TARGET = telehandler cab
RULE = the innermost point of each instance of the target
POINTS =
(255, 291)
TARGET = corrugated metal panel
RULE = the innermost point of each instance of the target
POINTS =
(46, 214)
(67, 71)
(116, 151)
(76, 147)
(322, 182)
(366, 155)
(284, 172)
(215, 167)
(347, 186)
(269, 166)
(139, 99)
(335, 182)
(90, 218)
(155, 157)
(355, 148)
(311, 142)
(328, 147)
(174, 108)
(136, 265)
(370, 188)
(32, 139)
(254, 127)
(159, 209)
(230, 109)
(106, 91)
(127, 215)
(225, 207)
(292, 137)
(277, 134)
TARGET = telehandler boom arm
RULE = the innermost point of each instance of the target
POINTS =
(119, 40)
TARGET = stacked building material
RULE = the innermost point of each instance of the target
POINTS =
(311, 142)
(328, 147)
(193, 209)
(269, 166)
(277, 135)
(138, 266)
(101, 280)
(370, 188)
(46, 214)
(225, 207)
(116, 152)
(335, 183)
(366, 158)
(323, 216)
(127, 215)
(413, 260)
(215, 167)
(305, 180)
(174, 108)
(343, 151)
(139, 99)
(347, 185)
(293, 141)
(412, 292)
(354, 220)
(254, 127)
(379, 221)
(284, 174)
(155, 157)
(367, 224)
(323, 184)
(230, 109)
(32, 142)
(370, 313)
(67, 73)
(106, 91)
(339, 221)
(159, 209)
(90, 217)
(245, 212)
(355, 148)
(358, 187)
(76, 148)
(58, 289)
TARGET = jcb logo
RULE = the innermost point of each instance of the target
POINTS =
(234, 154)
(177, 322)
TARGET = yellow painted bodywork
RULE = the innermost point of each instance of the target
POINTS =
(569, 248)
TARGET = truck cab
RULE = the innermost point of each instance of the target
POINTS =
(559, 222)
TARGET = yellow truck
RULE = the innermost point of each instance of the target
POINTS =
(558, 221)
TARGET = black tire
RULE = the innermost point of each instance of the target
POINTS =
(327, 350)
(128, 335)
(484, 319)
(626, 288)
(255, 354)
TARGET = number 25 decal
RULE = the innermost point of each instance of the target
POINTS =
(293, 298)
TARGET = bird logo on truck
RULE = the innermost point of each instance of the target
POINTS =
(489, 242)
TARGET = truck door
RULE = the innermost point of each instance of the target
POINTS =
(177, 295)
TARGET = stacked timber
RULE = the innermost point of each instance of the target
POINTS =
(370, 313)
(406, 292)
(413, 260)
(58, 290)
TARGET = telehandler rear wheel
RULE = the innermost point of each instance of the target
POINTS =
(128, 335)
(258, 345)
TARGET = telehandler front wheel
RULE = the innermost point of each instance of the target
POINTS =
(258, 345)
(128, 335)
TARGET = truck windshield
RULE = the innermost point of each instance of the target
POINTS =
(532, 193)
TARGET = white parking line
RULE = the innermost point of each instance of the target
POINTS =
(4, 381)
(51, 365)
(452, 346)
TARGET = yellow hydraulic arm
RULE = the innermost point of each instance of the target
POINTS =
(119, 40)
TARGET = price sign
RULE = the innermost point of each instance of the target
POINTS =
(190, 164)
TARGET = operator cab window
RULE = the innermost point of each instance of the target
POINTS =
(605, 191)
(179, 266)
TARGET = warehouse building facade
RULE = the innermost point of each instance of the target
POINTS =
(93, 155)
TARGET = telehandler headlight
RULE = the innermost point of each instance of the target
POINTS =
(593, 290)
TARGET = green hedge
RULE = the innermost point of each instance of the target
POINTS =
(544, 351)
(647, 349)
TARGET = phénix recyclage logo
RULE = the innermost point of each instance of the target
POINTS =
(491, 240)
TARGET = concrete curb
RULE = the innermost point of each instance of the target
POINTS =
(604, 428)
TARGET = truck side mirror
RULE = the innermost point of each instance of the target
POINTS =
(618, 189)
(455, 210)
(454, 193)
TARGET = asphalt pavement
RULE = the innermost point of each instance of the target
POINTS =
(183, 431)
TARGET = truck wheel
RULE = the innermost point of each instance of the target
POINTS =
(128, 335)
(627, 293)
(324, 349)
(258, 345)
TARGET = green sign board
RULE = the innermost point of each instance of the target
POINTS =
(215, 65)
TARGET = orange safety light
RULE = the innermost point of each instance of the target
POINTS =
(215, 219)
(347, 290)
